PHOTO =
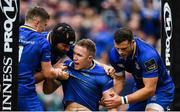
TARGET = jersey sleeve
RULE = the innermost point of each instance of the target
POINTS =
(45, 49)
(108, 85)
(105, 82)
(150, 66)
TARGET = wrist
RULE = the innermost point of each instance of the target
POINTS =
(57, 73)
(124, 100)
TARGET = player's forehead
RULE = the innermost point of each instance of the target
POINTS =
(63, 44)
(123, 44)
(80, 50)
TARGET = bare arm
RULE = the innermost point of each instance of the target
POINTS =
(50, 85)
(147, 91)
(51, 72)
(39, 77)
(119, 82)
(142, 94)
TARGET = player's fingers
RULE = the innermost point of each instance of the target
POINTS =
(111, 70)
(101, 103)
(63, 67)
(110, 106)
(107, 101)
(63, 76)
(66, 75)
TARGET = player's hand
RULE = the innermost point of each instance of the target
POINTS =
(113, 102)
(101, 102)
(63, 67)
(60, 65)
(110, 71)
(63, 75)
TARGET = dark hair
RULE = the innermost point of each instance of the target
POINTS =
(123, 34)
(62, 33)
(89, 45)
(37, 12)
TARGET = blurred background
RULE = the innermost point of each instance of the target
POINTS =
(98, 20)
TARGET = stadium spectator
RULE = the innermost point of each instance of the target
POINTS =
(154, 88)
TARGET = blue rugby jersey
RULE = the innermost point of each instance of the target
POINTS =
(33, 49)
(86, 86)
(145, 62)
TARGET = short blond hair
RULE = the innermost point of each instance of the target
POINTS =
(89, 45)
(37, 11)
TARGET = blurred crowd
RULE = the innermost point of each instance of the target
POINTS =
(97, 20)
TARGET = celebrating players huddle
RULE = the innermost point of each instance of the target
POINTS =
(85, 81)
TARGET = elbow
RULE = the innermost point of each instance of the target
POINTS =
(46, 92)
(151, 92)
(49, 86)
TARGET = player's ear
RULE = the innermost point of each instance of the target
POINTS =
(132, 41)
(91, 57)
(36, 23)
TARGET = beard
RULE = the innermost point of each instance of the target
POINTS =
(56, 55)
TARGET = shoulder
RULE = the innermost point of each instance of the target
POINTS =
(42, 39)
(99, 68)
(148, 56)
(100, 73)
(145, 51)
(102, 79)
(44, 34)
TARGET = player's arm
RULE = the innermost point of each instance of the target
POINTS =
(38, 76)
(51, 72)
(147, 91)
(119, 81)
(142, 94)
(150, 79)
(50, 85)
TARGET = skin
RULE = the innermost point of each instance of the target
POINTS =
(63, 47)
(125, 49)
(37, 24)
(80, 56)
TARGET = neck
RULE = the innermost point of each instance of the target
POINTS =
(30, 24)
(134, 49)
(90, 65)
